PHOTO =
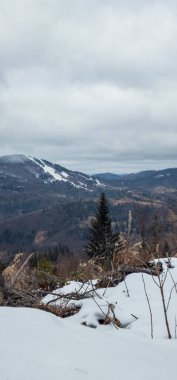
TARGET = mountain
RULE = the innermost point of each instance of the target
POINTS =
(145, 180)
(42, 203)
(106, 176)
(19, 171)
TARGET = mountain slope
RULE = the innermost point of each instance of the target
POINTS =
(21, 170)
(39, 198)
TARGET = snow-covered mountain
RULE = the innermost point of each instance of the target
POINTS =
(24, 169)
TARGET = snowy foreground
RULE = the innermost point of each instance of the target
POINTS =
(36, 345)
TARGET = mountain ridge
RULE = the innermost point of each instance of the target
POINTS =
(28, 168)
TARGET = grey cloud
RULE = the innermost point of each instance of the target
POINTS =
(92, 85)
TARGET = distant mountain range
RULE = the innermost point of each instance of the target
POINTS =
(42, 203)
(107, 176)
(144, 179)
(21, 171)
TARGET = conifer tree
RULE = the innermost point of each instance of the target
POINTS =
(100, 237)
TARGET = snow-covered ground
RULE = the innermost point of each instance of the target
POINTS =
(129, 298)
(36, 345)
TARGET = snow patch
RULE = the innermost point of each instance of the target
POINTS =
(49, 170)
(81, 186)
(65, 175)
(98, 183)
(60, 176)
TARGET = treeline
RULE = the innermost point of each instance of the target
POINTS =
(68, 223)
(53, 255)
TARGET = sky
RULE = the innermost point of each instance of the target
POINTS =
(90, 84)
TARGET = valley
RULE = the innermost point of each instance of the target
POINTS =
(43, 204)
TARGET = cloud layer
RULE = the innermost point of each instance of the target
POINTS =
(92, 84)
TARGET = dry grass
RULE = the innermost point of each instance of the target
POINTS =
(67, 267)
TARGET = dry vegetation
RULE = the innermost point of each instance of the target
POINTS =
(24, 285)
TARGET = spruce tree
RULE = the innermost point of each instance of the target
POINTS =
(100, 236)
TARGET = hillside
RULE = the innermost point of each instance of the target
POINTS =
(42, 203)
(20, 171)
(150, 179)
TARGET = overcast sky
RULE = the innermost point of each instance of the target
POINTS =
(90, 84)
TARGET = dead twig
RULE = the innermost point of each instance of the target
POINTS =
(149, 305)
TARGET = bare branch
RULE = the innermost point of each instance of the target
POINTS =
(150, 310)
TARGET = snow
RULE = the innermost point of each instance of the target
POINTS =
(38, 345)
(64, 174)
(56, 176)
(98, 183)
(125, 306)
(49, 170)
(81, 186)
